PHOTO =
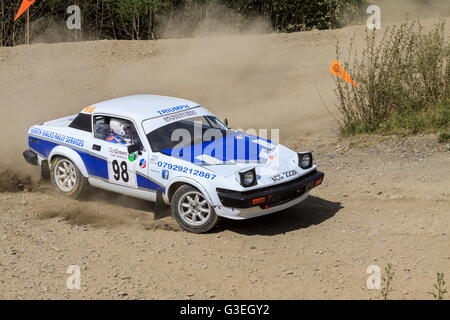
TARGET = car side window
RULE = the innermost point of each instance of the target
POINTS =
(116, 130)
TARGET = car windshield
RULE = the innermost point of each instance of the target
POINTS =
(187, 132)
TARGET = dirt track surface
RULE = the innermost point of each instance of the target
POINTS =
(370, 211)
(384, 200)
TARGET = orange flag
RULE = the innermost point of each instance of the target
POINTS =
(339, 71)
(23, 7)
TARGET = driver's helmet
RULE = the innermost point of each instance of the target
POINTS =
(120, 128)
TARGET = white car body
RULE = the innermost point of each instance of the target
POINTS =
(150, 172)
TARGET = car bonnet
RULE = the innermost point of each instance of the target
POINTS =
(234, 148)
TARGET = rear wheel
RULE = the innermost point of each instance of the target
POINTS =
(67, 178)
(192, 211)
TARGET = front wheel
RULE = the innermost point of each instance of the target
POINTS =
(192, 211)
(67, 178)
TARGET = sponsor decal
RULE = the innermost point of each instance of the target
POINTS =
(165, 174)
(266, 154)
(57, 137)
(88, 109)
(178, 116)
(117, 153)
(194, 172)
(142, 164)
(132, 156)
(172, 109)
(153, 159)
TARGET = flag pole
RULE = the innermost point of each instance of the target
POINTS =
(25, 6)
(27, 37)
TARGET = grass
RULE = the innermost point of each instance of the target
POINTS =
(444, 137)
(387, 281)
(404, 83)
(430, 120)
(439, 287)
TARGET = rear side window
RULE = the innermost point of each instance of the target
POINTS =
(82, 122)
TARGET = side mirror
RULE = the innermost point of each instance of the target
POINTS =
(134, 148)
(226, 122)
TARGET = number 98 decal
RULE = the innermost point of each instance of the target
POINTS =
(119, 172)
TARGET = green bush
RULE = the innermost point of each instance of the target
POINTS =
(444, 137)
(404, 82)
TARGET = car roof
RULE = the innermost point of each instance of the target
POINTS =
(141, 107)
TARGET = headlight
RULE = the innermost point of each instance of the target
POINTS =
(248, 178)
(305, 160)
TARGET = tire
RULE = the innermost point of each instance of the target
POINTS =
(192, 211)
(73, 184)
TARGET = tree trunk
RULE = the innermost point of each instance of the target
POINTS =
(27, 28)
(2, 23)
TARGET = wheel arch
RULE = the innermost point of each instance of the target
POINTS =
(70, 154)
(174, 185)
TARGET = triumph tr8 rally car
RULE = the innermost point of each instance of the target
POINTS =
(173, 152)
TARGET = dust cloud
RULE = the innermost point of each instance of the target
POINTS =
(11, 181)
(406, 10)
(102, 214)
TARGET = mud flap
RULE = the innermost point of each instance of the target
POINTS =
(45, 171)
(161, 208)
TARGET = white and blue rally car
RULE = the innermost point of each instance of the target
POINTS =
(173, 152)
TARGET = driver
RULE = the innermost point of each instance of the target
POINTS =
(120, 132)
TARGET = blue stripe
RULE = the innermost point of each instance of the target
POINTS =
(43, 147)
(148, 184)
(95, 166)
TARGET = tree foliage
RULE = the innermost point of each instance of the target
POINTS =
(151, 19)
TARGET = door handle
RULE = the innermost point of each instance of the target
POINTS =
(96, 147)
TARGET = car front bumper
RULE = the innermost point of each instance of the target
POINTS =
(266, 200)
